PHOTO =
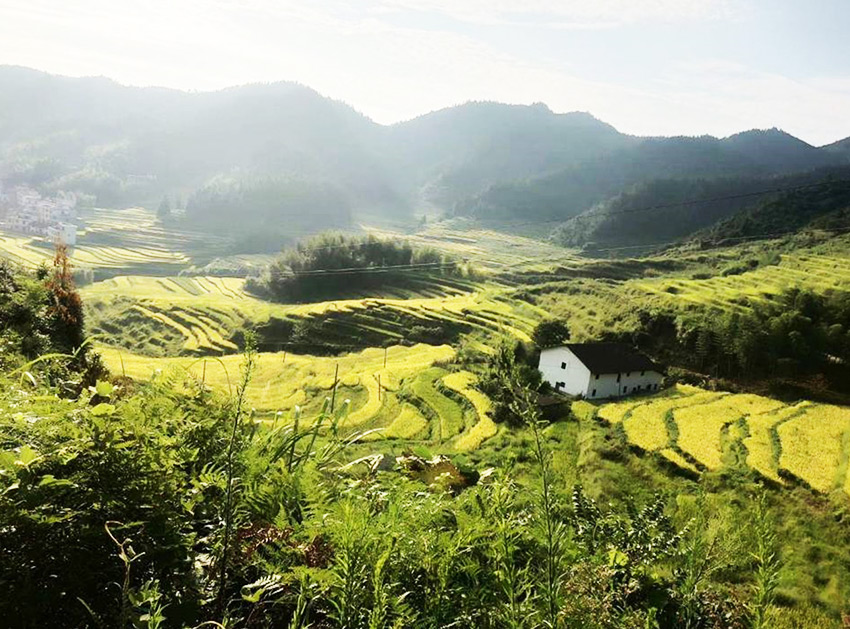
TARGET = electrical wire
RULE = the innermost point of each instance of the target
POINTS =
(436, 265)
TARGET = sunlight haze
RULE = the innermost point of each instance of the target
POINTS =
(657, 67)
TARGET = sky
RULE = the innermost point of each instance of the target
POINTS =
(648, 67)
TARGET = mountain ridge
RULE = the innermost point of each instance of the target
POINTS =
(128, 145)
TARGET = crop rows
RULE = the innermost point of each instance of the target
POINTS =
(439, 406)
(815, 271)
(704, 431)
(208, 311)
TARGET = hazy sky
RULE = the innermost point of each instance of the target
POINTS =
(646, 66)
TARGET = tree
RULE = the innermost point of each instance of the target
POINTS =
(66, 307)
(550, 333)
(164, 210)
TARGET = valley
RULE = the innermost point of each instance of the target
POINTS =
(301, 374)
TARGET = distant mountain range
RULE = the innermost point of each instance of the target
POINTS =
(499, 163)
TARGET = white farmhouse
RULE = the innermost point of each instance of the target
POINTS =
(63, 234)
(599, 370)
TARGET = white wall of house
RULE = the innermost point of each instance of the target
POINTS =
(626, 383)
(564, 371)
(63, 233)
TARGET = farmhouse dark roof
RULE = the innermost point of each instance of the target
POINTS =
(611, 357)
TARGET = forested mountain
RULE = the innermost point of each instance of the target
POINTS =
(131, 145)
(298, 158)
(820, 207)
(840, 148)
(574, 190)
(664, 210)
(448, 155)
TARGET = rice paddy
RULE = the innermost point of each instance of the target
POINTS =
(462, 382)
(706, 431)
(161, 316)
(442, 406)
(816, 271)
(130, 240)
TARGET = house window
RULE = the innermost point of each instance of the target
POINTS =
(637, 388)
(642, 373)
(563, 365)
(628, 374)
(593, 393)
(558, 386)
(597, 376)
(625, 389)
(618, 377)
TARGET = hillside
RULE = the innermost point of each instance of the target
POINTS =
(840, 148)
(666, 210)
(294, 153)
(576, 189)
(379, 478)
(822, 207)
(461, 151)
(132, 145)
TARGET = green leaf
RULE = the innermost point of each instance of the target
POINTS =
(253, 597)
(49, 479)
(617, 558)
(103, 409)
(26, 456)
(104, 388)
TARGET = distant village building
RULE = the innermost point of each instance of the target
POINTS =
(25, 211)
(63, 234)
(599, 370)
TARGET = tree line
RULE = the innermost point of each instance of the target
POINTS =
(333, 264)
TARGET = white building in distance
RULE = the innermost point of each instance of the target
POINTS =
(63, 234)
(599, 370)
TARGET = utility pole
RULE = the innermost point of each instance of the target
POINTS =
(204, 374)
(333, 395)
(379, 386)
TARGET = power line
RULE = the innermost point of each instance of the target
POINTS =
(731, 197)
(376, 269)
(602, 214)
(591, 214)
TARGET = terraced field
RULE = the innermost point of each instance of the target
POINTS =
(487, 249)
(702, 430)
(818, 272)
(131, 240)
(202, 315)
(408, 398)
(463, 382)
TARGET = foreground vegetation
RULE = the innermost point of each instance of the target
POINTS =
(197, 512)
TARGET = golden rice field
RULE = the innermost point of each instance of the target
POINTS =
(444, 408)
(818, 272)
(204, 313)
(487, 249)
(462, 382)
(704, 431)
(113, 239)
